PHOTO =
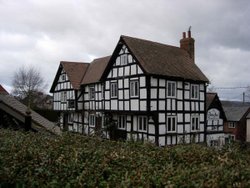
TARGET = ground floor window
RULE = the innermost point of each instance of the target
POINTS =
(92, 120)
(71, 118)
(121, 122)
(171, 123)
(143, 123)
(230, 138)
(214, 143)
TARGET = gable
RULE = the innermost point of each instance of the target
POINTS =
(74, 71)
(213, 102)
(122, 63)
(159, 59)
(164, 60)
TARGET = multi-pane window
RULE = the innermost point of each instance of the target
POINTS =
(231, 137)
(121, 122)
(114, 89)
(214, 143)
(142, 123)
(64, 96)
(231, 125)
(91, 92)
(63, 77)
(70, 118)
(171, 123)
(194, 91)
(124, 59)
(134, 88)
(171, 89)
(92, 120)
(195, 123)
(71, 103)
(102, 92)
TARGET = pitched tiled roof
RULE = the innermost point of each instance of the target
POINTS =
(3, 91)
(161, 59)
(209, 99)
(75, 72)
(235, 110)
(38, 121)
(95, 70)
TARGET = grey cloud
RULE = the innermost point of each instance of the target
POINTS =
(46, 32)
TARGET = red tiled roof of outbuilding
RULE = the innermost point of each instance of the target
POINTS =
(3, 91)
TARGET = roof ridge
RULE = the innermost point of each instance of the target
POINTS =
(146, 40)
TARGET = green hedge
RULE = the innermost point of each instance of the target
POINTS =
(70, 160)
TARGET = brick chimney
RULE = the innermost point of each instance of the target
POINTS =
(187, 43)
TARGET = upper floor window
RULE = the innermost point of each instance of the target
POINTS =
(121, 122)
(64, 96)
(124, 59)
(102, 93)
(114, 89)
(194, 91)
(71, 103)
(231, 125)
(134, 88)
(63, 77)
(171, 89)
(195, 123)
(92, 120)
(171, 123)
(91, 92)
(142, 123)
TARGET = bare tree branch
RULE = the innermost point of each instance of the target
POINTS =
(26, 82)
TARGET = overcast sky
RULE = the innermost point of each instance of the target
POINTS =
(44, 32)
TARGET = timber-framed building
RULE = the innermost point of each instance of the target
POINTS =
(146, 90)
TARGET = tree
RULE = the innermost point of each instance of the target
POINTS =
(26, 83)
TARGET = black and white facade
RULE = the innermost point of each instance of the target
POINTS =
(67, 98)
(215, 121)
(148, 91)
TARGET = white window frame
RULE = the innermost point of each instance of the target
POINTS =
(134, 88)
(194, 91)
(124, 59)
(171, 89)
(142, 123)
(102, 92)
(64, 96)
(231, 137)
(63, 77)
(214, 143)
(91, 92)
(92, 120)
(113, 89)
(121, 122)
(231, 125)
(70, 118)
(171, 122)
(195, 123)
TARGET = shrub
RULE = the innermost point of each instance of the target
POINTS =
(35, 160)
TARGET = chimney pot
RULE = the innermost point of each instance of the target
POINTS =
(184, 35)
(189, 34)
